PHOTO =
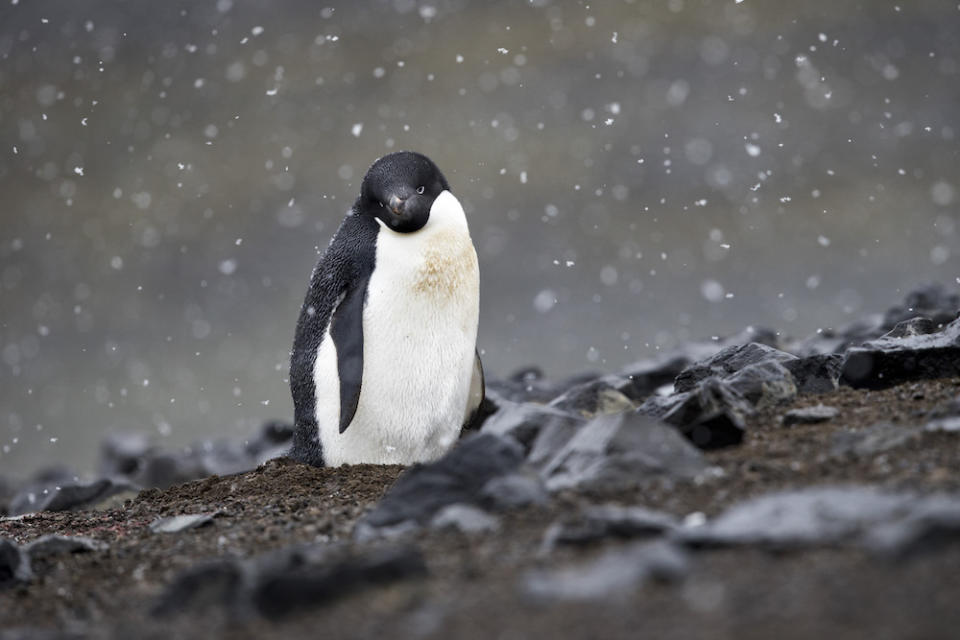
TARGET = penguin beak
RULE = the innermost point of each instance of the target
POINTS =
(395, 204)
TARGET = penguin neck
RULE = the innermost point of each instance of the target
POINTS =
(446, 215)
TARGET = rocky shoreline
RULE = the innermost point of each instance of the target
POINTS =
(750, 486)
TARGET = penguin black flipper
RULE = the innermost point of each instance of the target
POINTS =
(346, 329)
(478, 391)
(339, 278)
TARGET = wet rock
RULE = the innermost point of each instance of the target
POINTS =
(281, 592)
(595, 397)
(551, 438)
(530, 385)
(816, 373)
(273, 440)
(458, 477)
(645, 377)
(599, 522)
(523, 421)
(919, 326)
(14, 564)
(465, 518)
(726, 362)
(764, 383)
(614, 575)
(135, 459)
(51, 545)
(123, 454)
(871, 441)
(711, 416)
(514, 491)
(890, 360)
(67, 495)
(619, 452)
(888, 522)
(934, 302)
(810, 415)
(175, 524)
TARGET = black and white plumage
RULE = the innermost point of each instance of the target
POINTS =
(384, 367)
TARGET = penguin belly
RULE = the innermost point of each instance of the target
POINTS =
(419, 340)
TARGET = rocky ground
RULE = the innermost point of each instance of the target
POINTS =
(822, 498)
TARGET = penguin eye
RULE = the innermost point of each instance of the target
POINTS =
(381, 204)
(420, 190)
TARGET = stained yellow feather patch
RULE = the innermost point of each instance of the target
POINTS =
(449, 263)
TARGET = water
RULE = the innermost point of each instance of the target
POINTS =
(636, 175)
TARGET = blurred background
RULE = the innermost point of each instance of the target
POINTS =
(636, 174)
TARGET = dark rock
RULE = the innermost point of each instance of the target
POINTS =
(274, 438)
(889, 360)
(214, 585)
(530, 385)
(175, 524)
(523, 421)
(871, 441)
(764, 383)
(279, 593)
(14, 564)
(810, 415)
(711, 416)
(464, 518)
(620, 452)
(932, 521)
(67, 495)
(134, 458)
(595, 397)
(123, 454)
(608, 521)
(726, 362)
(887, 522)
(918, 326)
(458, 477)
(932, 301)
(658, 405)
(163, 469)
(514, 491)
(643, 378)
(815, 373)
(836, 341)
(279, 583)
(551, 438)
(614, 575)
(51, 545)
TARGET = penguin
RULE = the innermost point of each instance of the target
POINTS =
(384, 367)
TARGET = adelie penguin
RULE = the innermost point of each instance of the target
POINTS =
(384, 367)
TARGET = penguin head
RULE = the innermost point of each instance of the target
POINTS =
(400, 188)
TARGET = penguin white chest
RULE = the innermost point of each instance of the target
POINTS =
(419, 337)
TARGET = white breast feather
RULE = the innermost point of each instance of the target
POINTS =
(419, 333)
